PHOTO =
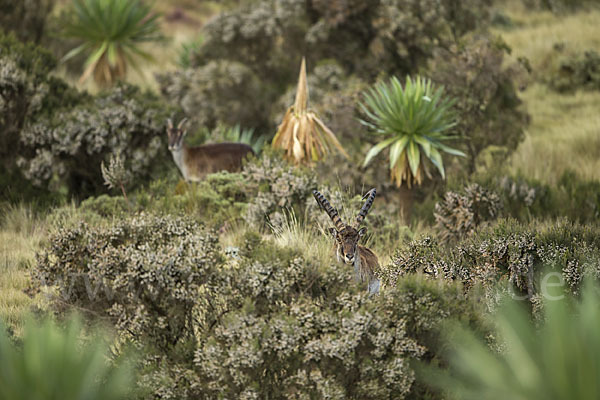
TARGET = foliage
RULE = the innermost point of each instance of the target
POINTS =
(26, 18)
(269, 322)
(143, 272)
(577, 71)
(68, 146)
(558, 360)
(302, 135)
(261, 42)
(51, 363)
(487, 105)
(115, 175)
(26, 90)
(416, 117)
(460, 215)
(237, 134)
(111, 32)
(217, 92)
(186, 51)
(509, 254)
(274, 185)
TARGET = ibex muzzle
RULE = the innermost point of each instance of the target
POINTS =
(197, 162)
(347, 237)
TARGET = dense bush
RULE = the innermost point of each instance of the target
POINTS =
(509, 253)
(486, 99)
(217, 92)
(576, 71)
(26, 18)
(459, 215)
(68, 146)
(261, 43)
(26, 90)
(267, 323)
(143, 272)
(275, 185)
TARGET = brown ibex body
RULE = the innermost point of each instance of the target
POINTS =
(199, 161)
(346, 237)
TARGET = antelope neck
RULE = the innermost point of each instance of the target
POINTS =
(178, 158)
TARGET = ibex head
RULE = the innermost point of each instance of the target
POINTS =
(346, 236)
(176, 135)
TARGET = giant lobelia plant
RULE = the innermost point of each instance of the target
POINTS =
(302, 134)
(413, 121)
(111, 32)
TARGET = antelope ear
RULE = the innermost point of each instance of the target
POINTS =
(169, 123)
(362, 231)
(333, 232)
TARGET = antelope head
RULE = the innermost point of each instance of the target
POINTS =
(346, 236)
(176, 135)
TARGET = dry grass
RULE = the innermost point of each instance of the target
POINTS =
(21, 235)
(565, 128)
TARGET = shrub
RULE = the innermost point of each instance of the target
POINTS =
(269, 322)
(260, 44)
(26, 18)
(143, 272)
(219, 91)
(51, 363)
(460, 215)
(274, 185)
(576, 71)
(508, 253)
(68, 146)
(488, 108)
(26, 90)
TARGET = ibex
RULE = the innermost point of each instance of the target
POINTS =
(346, 245)
(196, 162)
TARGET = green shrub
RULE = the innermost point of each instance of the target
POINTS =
(143, 272)
(68, 146)
(219, 91)
(487, 104)
(275, 185)
(26, 90)
(507, 253)
(460, 215)
(253, 50)
(26, 18)
(556, 360)
(267, 323)
(576, 71)
(51, 363)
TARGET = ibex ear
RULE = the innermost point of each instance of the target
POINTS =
(362, 231)
(333, 232)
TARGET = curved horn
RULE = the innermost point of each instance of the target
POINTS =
(370, 196)
(332, 212)
(181, 123)
(169, 123)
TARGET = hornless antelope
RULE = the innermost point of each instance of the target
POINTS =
(196, 162)
(346, 237)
